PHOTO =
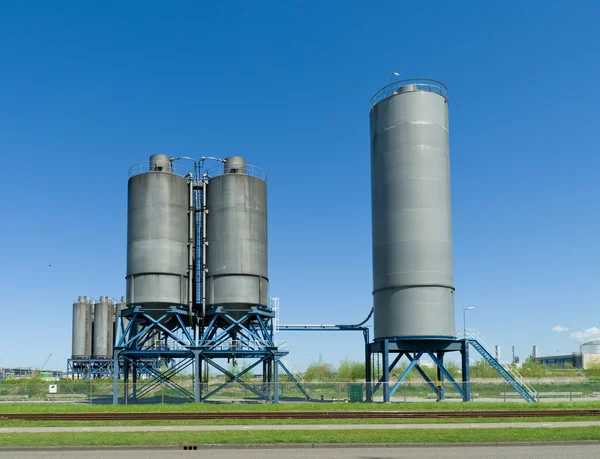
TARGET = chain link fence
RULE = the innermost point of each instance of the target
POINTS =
(180, 390)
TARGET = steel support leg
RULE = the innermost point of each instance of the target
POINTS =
(134, 374)
(116, 376)
(385, 361)
(126, 366)
(275, 382)
(197, 374)
(440, 377)
(466, 371)
(369, 376)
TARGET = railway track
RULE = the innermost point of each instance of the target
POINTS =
(290, 415)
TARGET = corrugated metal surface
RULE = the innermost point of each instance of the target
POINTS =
(591, 347)
(82, 329)
(104, 312)
(237, 238)
(411, 216)
(157, 236)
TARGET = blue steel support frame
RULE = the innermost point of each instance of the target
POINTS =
(414, 349)
(130, 354)
(466, 371)
(243, 334)
(90, 368)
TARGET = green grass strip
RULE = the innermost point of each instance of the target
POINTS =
(233, 422)
(276, 437)
(283, 407)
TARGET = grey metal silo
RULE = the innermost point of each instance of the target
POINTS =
(236, 228)
(413, 284)
(104, 312)
(121, 305)
(82, 328)
(158, 235)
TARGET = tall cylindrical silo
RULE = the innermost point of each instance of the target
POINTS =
(82, 328)
(104, 312)
(158, 235)
(236, 228)
(413, 286)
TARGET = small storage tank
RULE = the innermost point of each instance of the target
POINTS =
(82, 328)
(236, 230)
(413, 287)
(591, 347)
(157, 235)
(104, 312)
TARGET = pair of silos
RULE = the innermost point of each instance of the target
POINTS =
(161, 234)
(413, 288)
(94, 328)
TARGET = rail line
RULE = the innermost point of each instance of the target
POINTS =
(291, 415)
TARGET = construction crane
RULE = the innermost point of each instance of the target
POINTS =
(43, 365)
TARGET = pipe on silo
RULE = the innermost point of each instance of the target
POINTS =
(204, 243)
(191, 234)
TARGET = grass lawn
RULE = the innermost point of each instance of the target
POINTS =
(216, 407)
(329, 436)
(230, 422)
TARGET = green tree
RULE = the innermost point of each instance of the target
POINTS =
(592, 370)
(532, 369)
(319, 371)
(482, 369)
(351, 371)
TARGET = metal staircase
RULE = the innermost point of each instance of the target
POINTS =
(507, 371)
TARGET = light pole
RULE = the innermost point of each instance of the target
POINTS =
(392, 76)
(470, 308)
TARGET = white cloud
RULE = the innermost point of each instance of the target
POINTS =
(586, 335)
(559, 329)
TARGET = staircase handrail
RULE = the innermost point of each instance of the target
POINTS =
(509, 367)
(293, 370)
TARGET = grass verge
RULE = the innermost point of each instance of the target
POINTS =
(216, 407)
(276, 437)
(231, 422)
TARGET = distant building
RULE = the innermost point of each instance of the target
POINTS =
(588, 355)
(573, 360)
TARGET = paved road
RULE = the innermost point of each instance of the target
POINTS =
(491, 425)
(545, 451)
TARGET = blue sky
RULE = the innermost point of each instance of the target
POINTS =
(90, 88)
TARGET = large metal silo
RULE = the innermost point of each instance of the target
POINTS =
(413, 284)
(158, 235)
(104, 312)
(236, 228)
(82, 328)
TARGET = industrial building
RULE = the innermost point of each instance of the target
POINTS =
(587, 357)
(197, 273)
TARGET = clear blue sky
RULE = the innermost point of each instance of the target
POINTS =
(90, 88)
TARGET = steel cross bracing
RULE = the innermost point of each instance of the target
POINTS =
(244, 334)
(90, 368)
(414, 349)
(137, 357)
